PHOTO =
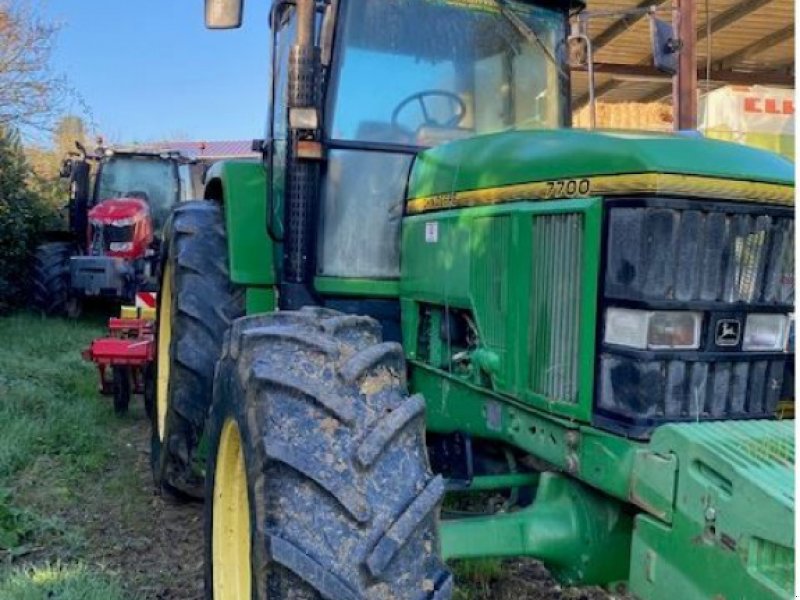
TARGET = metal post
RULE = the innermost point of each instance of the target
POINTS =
(684, 94)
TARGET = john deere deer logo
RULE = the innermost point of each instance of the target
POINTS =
(729, 331)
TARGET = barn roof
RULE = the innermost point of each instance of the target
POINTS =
(213, 150)
(738, 42)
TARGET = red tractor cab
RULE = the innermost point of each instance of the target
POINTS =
(119, 201)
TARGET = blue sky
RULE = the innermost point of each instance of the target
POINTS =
(148, 69)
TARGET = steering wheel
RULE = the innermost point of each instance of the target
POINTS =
(460, 109)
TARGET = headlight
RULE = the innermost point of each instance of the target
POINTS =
(765, 332)
(653, 330)
(120, 246)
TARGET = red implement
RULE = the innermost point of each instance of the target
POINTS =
(128, 353)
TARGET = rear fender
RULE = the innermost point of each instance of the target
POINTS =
(241, 188)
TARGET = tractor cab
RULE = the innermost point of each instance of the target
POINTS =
(405, 76)
(394, 79)
(160, 180)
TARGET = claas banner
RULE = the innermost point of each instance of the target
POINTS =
(754, 115)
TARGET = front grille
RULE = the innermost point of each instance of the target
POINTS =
(106, 234)
(710, 255)
(690, 390)
(722, 260)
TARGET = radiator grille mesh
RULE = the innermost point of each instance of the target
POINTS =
(555, 306)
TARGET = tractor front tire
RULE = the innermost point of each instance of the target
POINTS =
(196, 305)
(318, 483)
(50, 280)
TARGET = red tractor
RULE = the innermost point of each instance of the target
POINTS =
(112, 246)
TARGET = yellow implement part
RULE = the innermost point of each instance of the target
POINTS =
(128, 312)
(133, 312)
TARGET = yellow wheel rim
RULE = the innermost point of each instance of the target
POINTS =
(164, 340)
(230, 541)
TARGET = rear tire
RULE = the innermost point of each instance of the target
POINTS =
(325, 490)
(202, 303)
(50, 280)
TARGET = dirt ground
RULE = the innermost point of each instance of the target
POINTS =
(155, 546)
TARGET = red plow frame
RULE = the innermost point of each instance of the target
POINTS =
(124, 360)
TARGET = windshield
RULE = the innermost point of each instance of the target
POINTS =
(422, 72)
(152, 179)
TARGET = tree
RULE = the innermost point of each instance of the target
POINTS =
(30, 91)
(45, 162)
(68, 130)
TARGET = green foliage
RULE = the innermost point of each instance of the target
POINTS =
(45, 162)
(59, 582)
(22, 216)
(16, 524)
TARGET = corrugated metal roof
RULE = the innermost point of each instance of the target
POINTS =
(749, 37)
(214, 150)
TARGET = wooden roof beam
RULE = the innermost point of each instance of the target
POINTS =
(730, 16)
(757, 47)
(622, 72)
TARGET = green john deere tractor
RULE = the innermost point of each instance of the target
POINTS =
(431, 286)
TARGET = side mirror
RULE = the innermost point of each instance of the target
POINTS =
(224, 14)
(665, 46)
(66, 168)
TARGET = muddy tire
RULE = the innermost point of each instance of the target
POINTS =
(196, 305)
(318, 477)
(50, 284)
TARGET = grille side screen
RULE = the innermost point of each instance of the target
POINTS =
(489, 278)
(555, 306)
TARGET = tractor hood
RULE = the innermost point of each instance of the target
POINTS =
(521, 157)
(120, 228)
(119, 212)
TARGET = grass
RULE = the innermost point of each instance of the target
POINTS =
(59, 582)
(50, 421)
(475, 577)
(44, 386)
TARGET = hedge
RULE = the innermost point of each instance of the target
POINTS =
(23, 216)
